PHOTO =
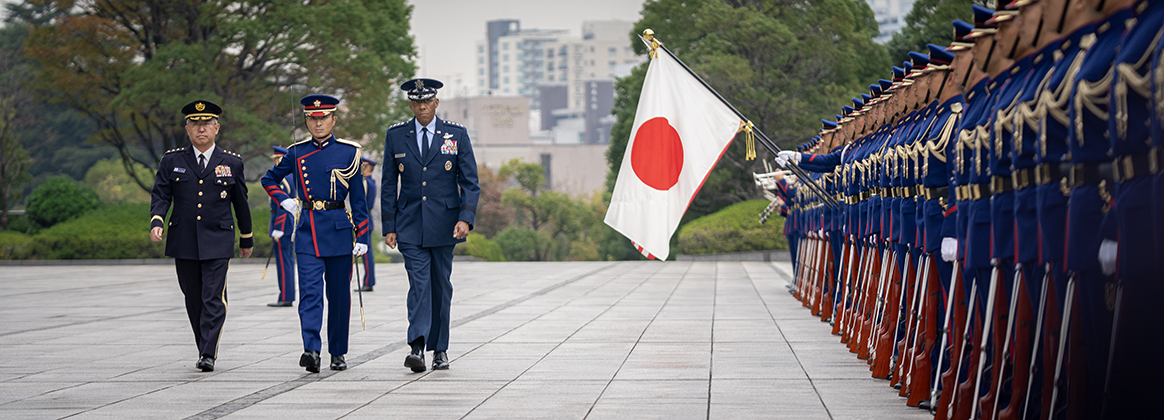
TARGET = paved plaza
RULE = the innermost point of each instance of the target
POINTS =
(568, 340)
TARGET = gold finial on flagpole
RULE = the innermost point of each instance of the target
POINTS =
(654, 44)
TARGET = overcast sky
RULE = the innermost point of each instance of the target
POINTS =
(446, 30)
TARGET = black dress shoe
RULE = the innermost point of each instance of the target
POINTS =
(415, 360)
(206, 363)
(440, 361)
(280, 304)
(364, 289)
(310, 360)
(338, 363)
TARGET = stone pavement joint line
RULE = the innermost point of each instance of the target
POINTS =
(553, 340)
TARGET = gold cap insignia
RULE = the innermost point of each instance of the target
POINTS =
(200, 106)
(419, 84)
(448, 165)
(317, 103)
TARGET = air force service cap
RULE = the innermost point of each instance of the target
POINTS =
(421, 89)
(201, 110)
(318, 105)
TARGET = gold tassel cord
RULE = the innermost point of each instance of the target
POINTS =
(654, 44)
(749, 139)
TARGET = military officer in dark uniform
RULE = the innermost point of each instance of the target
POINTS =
(202, 182)
(326, 241)
(431, 160)
(370, 191)
(282, 223)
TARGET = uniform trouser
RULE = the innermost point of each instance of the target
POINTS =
(793, 244)
(836, 242)
(430, 293)
(369, 263)
(1095, 291)
(284, 253)
(1136, 330)
(315, 275)
(203, 283)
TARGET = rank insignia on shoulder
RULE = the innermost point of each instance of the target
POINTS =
(222, 171)
(398, 155)
(400, 167)
(179, 170)
(223, 195)
(448, 165)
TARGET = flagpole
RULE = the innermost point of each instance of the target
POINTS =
(648, 37)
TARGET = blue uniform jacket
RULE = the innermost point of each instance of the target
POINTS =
(436, 192)
(281, 219)
(332, 165)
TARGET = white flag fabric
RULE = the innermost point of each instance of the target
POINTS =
(681, 130)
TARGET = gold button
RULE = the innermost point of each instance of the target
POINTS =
(423, 198)
(200, 193)
(302, 160)
(424, 183)
(306, 182)
(199, 205)
(199, 181)
(305, 175)
(424, 168)
(199, 217)
(305, 168)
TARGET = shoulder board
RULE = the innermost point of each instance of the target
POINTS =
(175, 150)
(447, 122)
(399, 124)
(299, 142)
(231, 153)
(349, 143)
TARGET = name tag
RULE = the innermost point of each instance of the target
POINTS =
(180, 170)
(398, 155)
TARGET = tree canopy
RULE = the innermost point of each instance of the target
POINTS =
(929, 23)
(129, 66)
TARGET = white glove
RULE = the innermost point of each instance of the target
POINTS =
(276, 234)
(359, 249)
(781, 160)
(949, 249)
(1108, 250)
(290, 205)
(788, 156)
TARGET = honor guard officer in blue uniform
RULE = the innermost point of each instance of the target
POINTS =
(326, 171)
(203, 182)
(431, 162)
(281, 225)
(370, 191)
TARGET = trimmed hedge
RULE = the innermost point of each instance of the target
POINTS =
(112, 232)
(735, 228)
(481, 247)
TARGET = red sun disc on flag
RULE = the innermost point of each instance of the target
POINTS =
(657, 154)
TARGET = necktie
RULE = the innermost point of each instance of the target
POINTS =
(424, 144)
(202, 161)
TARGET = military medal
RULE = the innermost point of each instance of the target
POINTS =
(223, 195)
(448, 165)
(222, 171)
(400, 167)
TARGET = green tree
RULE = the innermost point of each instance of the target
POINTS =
(129, 66)
(492, 216)
(550, 221)
(782, 64)
(108, 178)
(15, 117)
(60, 199)
(929, 23)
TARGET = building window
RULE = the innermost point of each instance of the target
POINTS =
(480, 60)
(481, 49)
(506, 90)
(591, 48)
(481, 83)
(506, 81)
(504, 57)
(550, 66)
(551, 77)
(612, 51)
(505, 69)
(611, 64)
(505, 45)
(481, 71)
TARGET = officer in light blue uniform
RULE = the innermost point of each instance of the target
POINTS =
(431, 162)
(326, 234)
(370, 191)
(280, 229)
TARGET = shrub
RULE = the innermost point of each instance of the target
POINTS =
(21, 224)
(481, 247)
(119, 231)
(14, 245)
(735, 228)
(59, 199)
(522, 244)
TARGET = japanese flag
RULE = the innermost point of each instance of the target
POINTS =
(681, 130)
